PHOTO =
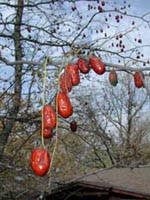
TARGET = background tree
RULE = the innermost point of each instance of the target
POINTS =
(55, 33)
(114, 117)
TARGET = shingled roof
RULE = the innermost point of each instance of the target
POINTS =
(128, 182)
(135, 180)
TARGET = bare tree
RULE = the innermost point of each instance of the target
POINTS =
(51, 34)
(113, 122)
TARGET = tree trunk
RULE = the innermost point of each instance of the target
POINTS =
(8, 124)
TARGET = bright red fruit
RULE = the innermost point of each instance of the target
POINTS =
(97, 65)
(139, 79)
(49, 116)
(40, 161)
(64, 105)
(47, 133)
(65, 82)
(73, 70)
(83, 66)
(113, 78)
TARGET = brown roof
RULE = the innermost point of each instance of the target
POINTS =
(135, 180)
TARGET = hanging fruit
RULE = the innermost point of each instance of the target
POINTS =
(139, 79)
(73, 70)
(73, 125)
(40, 161)
(97, 65)
(83, 66)
(65, 82)
(64, 105)
(49, 117)
(113, 78)
(47, 133)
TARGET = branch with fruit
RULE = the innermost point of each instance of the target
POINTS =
(69, 77)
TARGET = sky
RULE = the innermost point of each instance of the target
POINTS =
(87, 84)
(138, 7)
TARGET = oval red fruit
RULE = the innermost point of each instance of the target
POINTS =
(139, 79)
(73, 70)
(49, 116)
(73, 125)
(83, 66)
(40, 161)
(64, 105)
(97, 65)
(65, 82)
(113, 78)
(47, 133)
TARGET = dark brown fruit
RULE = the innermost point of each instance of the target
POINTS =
(113, 78)
(73, 125)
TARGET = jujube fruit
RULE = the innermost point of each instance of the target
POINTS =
(49, 116)
(97, 65)
(64, 105)
(73, 70)
(73, 125)
(83, 66)
(139, 79)
(113, 78)
(40, 161)
(65, 82)
(47, 133)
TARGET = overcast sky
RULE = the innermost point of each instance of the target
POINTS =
(138, 7)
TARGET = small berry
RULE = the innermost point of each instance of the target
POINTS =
(139, 41)
(100, 9)
(117, 17)
(103, 3)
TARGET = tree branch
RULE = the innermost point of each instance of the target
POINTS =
(54, 63)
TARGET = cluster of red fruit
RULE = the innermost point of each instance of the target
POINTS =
(71, 77)
(40, 158)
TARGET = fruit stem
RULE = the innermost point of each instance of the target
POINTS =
(56, 135)
(43, 97)
(55, 146)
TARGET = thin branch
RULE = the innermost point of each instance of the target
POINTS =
(125, 68)
(113, 65)
(11, 63)
(27, 5)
